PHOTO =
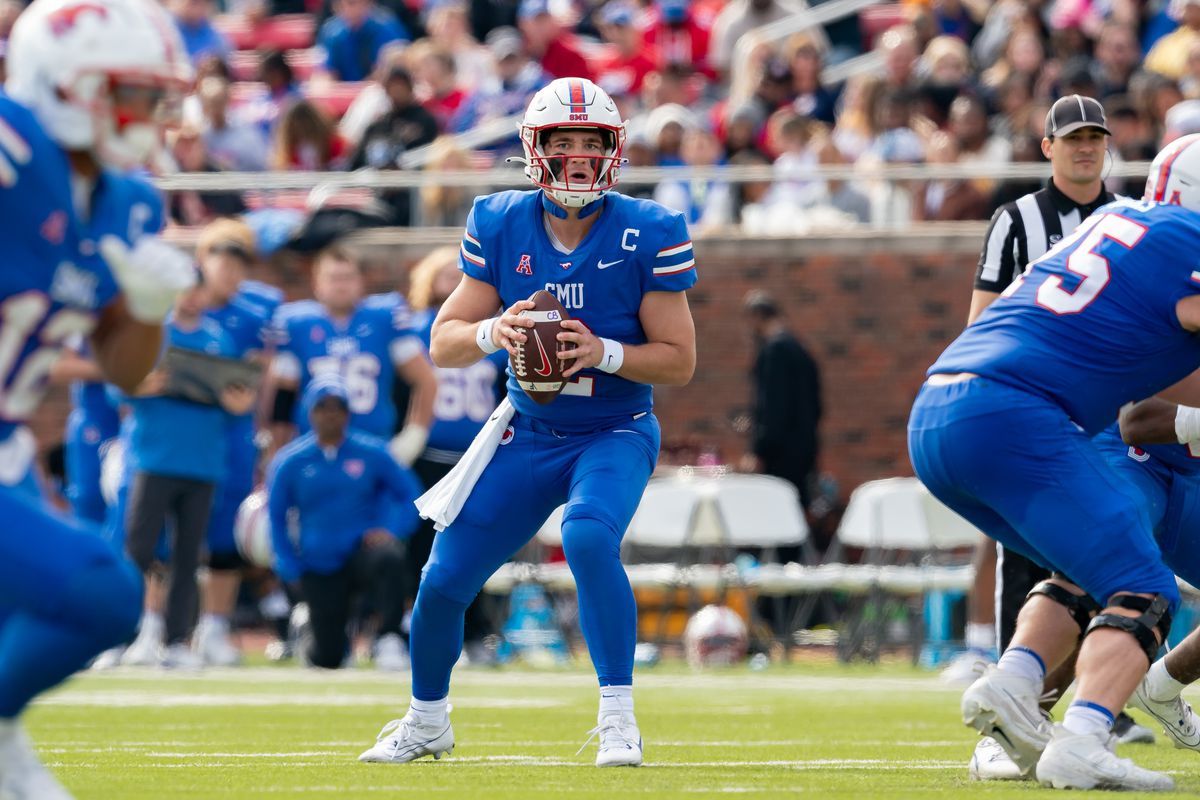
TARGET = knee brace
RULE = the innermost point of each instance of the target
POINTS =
(1155, 613)
(1081, 606)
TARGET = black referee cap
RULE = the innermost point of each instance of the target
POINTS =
(1073, 112)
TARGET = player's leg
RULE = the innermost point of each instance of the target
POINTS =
(500, 516)
(607, 482)
(192, 501)
(51, 633)
(221, 579)
(147, 503)
(379, 571)
(82, 446)
(328, 599)
(1159, 692)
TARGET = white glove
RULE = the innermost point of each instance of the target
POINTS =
(151, 275)
(407, 445)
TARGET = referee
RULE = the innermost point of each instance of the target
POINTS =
(1022, 231)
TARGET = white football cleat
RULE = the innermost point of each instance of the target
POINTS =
(109, 659)
(22, 775)
(1084, 761)
(1128, 731)
(990, 762)
(966, 667)
(212, 645)
(390, 653)
(146, 650)
(404, 740)
(1005, 707)
(620, 742)
(1176, 716)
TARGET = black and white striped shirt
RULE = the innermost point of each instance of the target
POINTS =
(1023, 230)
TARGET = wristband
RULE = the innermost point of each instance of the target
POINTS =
(613, 358)
(1187, 424)
(483, 336)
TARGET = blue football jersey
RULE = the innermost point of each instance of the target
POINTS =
(363, 349)
(1092, 324)
(635, 247)
(54, 282)
(245, 321)
(466, 398)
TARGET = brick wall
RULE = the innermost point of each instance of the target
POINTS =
(874, 309)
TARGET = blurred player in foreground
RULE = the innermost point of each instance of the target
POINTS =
(620, 267)
(87, 87)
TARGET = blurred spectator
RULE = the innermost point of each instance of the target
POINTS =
(548, 43)
(1003, 19)
(1023, 54)
(705, 202)
(487, 15)
(958, 18)
(748, 194)
(404, 127)
(1169, 55)
(744, 129)
(9, 11)
(1076, 77)
(678, 38)
(372, 102)
(436, 82)
(352, 38)
(1182, 119)
(306, 140)
(810, 98)
(897, 143)
(1189, 84)
(450, 29)
(1155, 95)
(672, 84)
(335, 481)
(639, 152)
(738, 18)
(665, 128)
(1012, 100)
(944, 199)
(795, 139)
(191, 207)
(1117, 57)
(200, 37)
(279, 91)
(1130, 141)
(945, 71)
(444, 205)
(1026, 149)
(976, 144)
(516, 80)
(856, 127)
(231, 145)
(626, 71)
(900, 49)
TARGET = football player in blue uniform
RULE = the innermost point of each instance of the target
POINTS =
(243, 308)
(92, 425)
(367, 341)
(621, 267)
(1001, 433)
(84, 96)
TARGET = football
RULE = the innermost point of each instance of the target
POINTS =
(537, 369)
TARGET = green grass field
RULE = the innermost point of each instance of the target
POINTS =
(276, 732)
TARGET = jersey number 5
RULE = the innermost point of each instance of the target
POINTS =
(1087, 263)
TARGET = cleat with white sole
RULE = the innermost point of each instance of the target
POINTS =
(620, 742)
(966, 667)
(22, 775)
(1005, 707)
(407, 739)
(180, 656)
(990, 762)
(1085, 761)
(211, 643)
(109, 659)
(390, 653)
(1176, 716)
(1128, 731)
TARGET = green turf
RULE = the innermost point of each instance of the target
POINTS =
(819, 731)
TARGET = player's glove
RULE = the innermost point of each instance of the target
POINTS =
(151, 275)
(407, 445)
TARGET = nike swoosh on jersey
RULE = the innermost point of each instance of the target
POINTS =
(607, 264)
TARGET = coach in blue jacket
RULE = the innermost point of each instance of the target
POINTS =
(337, 480)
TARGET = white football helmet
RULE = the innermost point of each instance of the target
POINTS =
(1175, 174)
(715, 636)
(573, 103)
(99, 75)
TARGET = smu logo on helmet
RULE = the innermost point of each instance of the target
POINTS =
(577, 117)
(65, 18)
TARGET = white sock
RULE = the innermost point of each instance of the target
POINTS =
(1023, 661)
(430, 712)
(616, 701)
(153, 621)
(1160, 684)
(1085, 717)
(215, 621)
(981, 636)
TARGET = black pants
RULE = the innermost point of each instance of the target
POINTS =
(1017, 575)
(186, 503)
(476, 625)
(378, 571)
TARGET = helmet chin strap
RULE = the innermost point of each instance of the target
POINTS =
(555, 210)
